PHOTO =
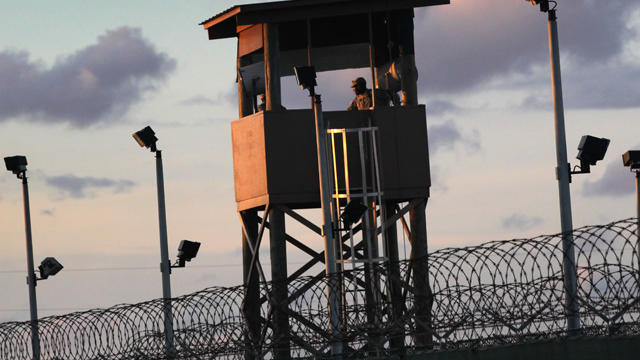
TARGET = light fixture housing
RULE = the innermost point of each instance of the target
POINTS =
(49, 267)
(591, 150)
(353, 212)
(544, 4)
(146, 138)
(632, 159)
(187, 250)
(16, 164)
(305, 76)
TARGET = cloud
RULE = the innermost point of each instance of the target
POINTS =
(447, 136)
(198, 100)
(536, 102)
(617, 181)
(438, 184)
(607, 86)
(224, 98)
(47, 212)
(504, 43)
(521, 222)
(81, 187)
(94, 85)
(438, 107)
(610, 85)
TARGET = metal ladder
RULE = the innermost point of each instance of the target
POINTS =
(358, 148)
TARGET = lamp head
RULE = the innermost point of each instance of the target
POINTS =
(146, 138)
(592, 149)
(16, 164)
(353, 212)
(49, 267)
(305, 76)
(187, 250)
(544, 4)
(632, 159)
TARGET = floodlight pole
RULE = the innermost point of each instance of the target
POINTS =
(327, 224)
(563, 174)
(165, 265)
(638, 217)
(31, 275)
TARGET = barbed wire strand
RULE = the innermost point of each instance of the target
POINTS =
(496, 293)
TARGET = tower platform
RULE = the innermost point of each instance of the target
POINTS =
(275, 158)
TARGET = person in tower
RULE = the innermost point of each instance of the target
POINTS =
(363, 100)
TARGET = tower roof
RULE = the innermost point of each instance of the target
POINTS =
(233, 20)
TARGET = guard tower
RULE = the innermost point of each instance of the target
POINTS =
(379, 159)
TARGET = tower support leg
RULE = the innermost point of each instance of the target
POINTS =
(371, 282)
(396, 339)
(277, 241)
(251, 304)
(423, 294)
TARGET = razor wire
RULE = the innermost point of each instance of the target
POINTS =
(493, 294)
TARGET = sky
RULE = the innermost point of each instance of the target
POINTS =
(77, 80)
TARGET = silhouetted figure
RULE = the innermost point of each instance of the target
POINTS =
(363, 100)
(263, 103)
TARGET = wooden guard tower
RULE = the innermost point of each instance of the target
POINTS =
(380, 155)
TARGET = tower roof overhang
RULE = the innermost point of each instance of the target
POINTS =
(230, 22)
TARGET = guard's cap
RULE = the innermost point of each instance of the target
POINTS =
(358, 82)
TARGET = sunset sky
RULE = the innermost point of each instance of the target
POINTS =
(76, 79)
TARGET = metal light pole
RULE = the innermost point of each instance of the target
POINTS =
(18, 166)
(146, 138)
(563, 175)
(165, 265)
(638, 216)
(327, 221)
(31, 275)
(632, 159)
(306, 77)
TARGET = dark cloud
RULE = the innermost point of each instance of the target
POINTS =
(447, 136)
(616, 181)
(47, 212)
(600, 86)
(198, 100)
(81, 187)
(94, 85)
(537, 102)
(438, 107)
(610, 85)
(504, 43)
(521, 222)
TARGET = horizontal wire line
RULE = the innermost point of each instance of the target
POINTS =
(138, 268)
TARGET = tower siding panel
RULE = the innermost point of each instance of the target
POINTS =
(275, 155)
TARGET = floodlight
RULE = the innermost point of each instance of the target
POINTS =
(544, 4)
(49, 267)
(591, 150)
(187, 250)
(16, 164)
(146, 138)
(305, 76)
(632, 159)
(353, 212)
